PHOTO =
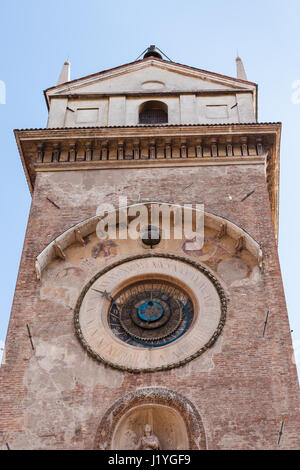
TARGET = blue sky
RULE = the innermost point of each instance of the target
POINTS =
(37, 36)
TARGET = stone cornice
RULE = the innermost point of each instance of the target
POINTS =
(128, 164)
(153, 146)
(146, 130)
(93, 95)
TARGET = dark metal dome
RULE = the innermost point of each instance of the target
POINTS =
(152, 51)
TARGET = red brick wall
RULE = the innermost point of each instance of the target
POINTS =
(243, 388)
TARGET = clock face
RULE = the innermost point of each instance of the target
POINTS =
(150, 313)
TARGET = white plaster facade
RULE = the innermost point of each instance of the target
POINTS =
(114, 97)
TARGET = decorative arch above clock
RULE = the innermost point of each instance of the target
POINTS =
(241, 240)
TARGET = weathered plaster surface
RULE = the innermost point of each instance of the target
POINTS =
(56, 396)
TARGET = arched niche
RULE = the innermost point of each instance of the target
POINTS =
(167, 424)
(174, 419)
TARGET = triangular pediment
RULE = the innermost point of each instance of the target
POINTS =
(150, 75)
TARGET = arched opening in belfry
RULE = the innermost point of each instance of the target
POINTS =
(153, 112)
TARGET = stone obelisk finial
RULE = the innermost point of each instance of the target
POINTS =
(240, 69)
(65, 73)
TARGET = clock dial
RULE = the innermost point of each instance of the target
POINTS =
(151, 313)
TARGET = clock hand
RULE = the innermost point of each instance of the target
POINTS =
(107, 296)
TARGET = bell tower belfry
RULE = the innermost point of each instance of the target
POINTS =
(156, 341)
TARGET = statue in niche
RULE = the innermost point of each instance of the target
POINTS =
(148, 441)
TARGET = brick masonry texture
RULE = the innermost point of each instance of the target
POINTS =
(243, 387)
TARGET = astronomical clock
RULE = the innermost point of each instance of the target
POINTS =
(166, 314)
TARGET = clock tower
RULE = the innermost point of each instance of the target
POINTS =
(127, 329)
